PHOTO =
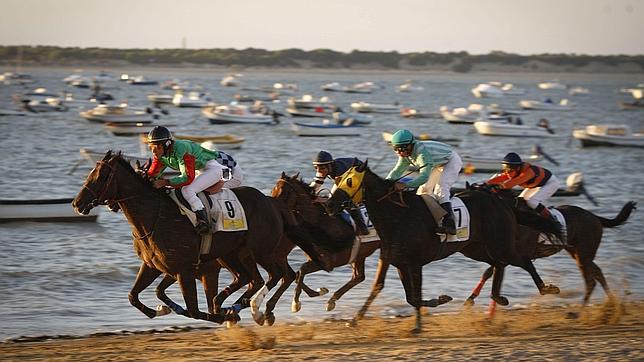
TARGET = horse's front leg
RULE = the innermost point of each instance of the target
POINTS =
(357, 277)
(210, 282)
(497, 281)
(378, 285)
(144, 278)
(170, 305)
(412, 280)
(308, 267)
(186, 279)
(528, 266)
(487, 274)
(287, 280)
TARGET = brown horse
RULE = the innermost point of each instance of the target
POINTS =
(167, 243)
(408, 234)
(584, 234)
(331, 234)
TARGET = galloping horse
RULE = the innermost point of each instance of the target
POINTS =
(584, 234)
(332, 234)
(408, 237)
(166, 241)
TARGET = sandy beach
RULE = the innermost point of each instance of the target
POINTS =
(613, 331)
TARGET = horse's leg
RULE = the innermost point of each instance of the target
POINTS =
(210, 282)
(599, 276)
(487, 274)
(589, 274)
(357, 277)
(306, 268)
(170, 305)
(497, 281)
(275, 274)
(544, 289)
(248, 263)
(378, 285)
(240, 278)
(287, 279)
(186, 279)
(144, 278)
(412, 280)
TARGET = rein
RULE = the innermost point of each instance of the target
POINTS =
(100, 197)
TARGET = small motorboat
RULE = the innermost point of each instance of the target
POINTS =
(608, 135)
(500, 128)
(42, 210)
(236, 113)
(552, 85)
(192, 100)
(221, 141)
(426, 137)
(578, 91)
(359, 118)
(48, 105)
(156, 98)
(547, 105)
(308, 101)
(327, 129)
(364, 87)
(231, 80)
(409, 86)
(365, 107)
(333, 87)
(474, 112)
(415, 113)
(106, 113)
(486, 90)
(131, 128)
(140, 80)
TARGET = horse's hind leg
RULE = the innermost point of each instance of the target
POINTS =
(188, 285)
(591, 273)
(378, 285)
(240, 278)
(412, 280)
(357, 277)
(144, 278)
(487, 274)
(543, 288)
(306, 268)
(287, 279)
(497, 281)
(170, 305)
(210, 282)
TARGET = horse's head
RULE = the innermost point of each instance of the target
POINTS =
(348, 189)
(294, 193)
(100, 187)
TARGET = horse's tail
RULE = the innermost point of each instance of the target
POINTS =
(620, 218)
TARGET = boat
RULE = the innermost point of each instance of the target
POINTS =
(11, 112)
(552, 85)
(578, 91)
(131, 128)
(499, 128)
(608, 135)
(365, 107)
(230, 80)
(308, 106)
(42, 210)
(495, 90)
(49, 105)
(333, 87)
(236, 113)
(635, 105)
(426, 137)
(105, 113)
(359, 118)
(140, 80)
(221, 141)
(547, 105)
(192, 100)
(415, 113)
(364, 87)
(408, 86)
(327, 129)
(156, 98)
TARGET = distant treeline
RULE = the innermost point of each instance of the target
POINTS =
(297, 58)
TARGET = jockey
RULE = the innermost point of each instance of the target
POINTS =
(325, 166)
(439, 166)
(538, 182)
(188, 157)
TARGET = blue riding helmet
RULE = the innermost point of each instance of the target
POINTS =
(512, 159)
(402, 137)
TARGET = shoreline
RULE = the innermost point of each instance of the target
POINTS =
(614, 331)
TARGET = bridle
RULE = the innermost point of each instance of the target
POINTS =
(100, 197)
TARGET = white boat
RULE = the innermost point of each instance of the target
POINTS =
(554, 85)
(308, 101)
(192, 100)
(365, 107)
(105, 113)
(361, 118)
(578, 91)
(220, 141)
(326, 129)
(42, 210)
(235, 113)
(408, 86)
(141, 80)
(160, 98)
(320, 112)
(486, 90)
(415, 113)
(547, 105)
(364, 87)
(498, 128)
(231, 80)
(333, 87)
(131, 128)
(608, 135)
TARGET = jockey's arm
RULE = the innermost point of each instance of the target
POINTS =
(187, 170)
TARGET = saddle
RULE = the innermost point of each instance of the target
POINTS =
(461, 217)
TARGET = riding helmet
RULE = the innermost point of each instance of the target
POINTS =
(159, 134)
(322, 158)
(512, 159)
(402, 137)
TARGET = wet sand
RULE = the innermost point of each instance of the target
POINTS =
(613, 331)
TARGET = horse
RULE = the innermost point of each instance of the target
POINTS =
(166, 241)
(408, 236)
(332, 234)
(584, 232)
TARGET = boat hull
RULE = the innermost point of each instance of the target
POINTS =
(42, 210)
(510, 130)
(306, 130)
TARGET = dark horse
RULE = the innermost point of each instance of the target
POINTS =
(584, 234)
(332, 234)
(167, 243)
(408, 234)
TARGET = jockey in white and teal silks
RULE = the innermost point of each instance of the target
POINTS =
(439, 165)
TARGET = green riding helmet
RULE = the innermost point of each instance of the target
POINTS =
(402, 137)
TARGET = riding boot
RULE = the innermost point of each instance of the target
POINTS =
(448, 223)
(361, 227)
(202, 227)
(545, 212)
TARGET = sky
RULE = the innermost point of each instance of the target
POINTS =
(593, 27)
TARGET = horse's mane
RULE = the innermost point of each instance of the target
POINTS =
(118, 157)
(308, 189)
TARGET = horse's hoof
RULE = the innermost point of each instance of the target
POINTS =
(322, 291)
(259, 318)
(416, 330)
(442, 299)
(549, 289)
(296, 306)
(270, 318)
(352, 323)
(330, 305)
(163, 310)
(469, 302)
(500, 300)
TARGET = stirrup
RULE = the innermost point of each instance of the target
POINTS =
(202, 228)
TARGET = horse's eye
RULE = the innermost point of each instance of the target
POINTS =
(349, 182)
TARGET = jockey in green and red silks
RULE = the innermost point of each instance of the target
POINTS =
(189, 157)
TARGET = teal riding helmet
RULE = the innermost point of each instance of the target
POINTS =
(402, 137)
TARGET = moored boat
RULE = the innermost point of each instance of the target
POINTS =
(365, 107)
(499, 128)
(104, 113)
(42, 210)
(608, 135)
(221, 141)
(326, 129)
(236, 113)
(131, 128)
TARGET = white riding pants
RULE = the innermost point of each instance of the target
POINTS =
(441, 179)
(208, 176)
(535, 196)
(237, 177)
